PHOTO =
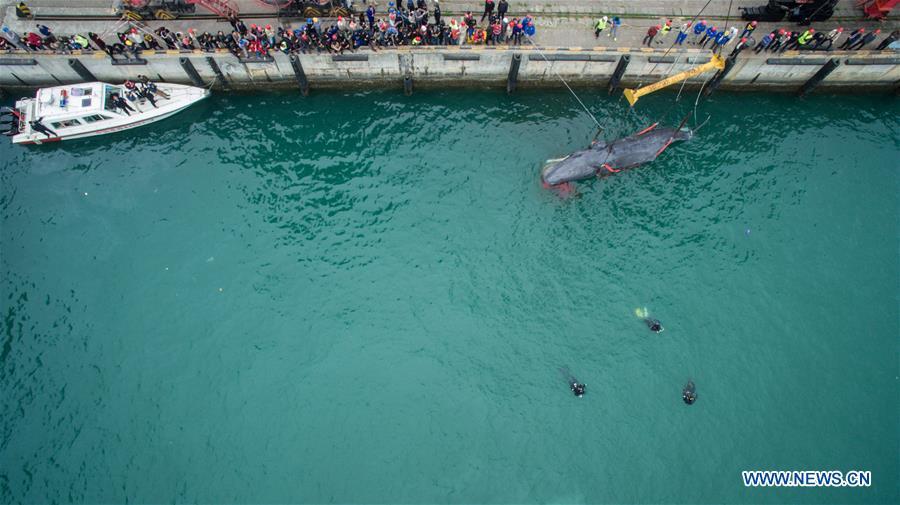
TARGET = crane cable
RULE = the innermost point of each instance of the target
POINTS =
(567, 84)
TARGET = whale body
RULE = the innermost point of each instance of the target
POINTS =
(611, 157)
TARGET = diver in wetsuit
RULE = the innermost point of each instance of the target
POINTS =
(39, 127)
(151, 86)
(119, 103)
(144, 92)
(688, 394)
(654, 325)
(576, 387)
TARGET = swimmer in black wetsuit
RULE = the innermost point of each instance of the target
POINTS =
(119, 103)
(688, 394)
(576, 387)
(654, 325)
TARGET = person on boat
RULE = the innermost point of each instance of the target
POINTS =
(39, 127)
(144, 92)
(119, 103)
(152, 86)
(689, 394)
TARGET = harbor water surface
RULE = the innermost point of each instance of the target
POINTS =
(366, 298)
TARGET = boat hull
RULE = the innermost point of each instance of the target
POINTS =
(104, 131)
(142, 116)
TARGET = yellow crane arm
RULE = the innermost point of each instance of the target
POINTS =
(632, 95)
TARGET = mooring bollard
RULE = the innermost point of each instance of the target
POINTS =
(216, 70)
(819, 76)
(717, 79)
(513, 77)
(81, 70)
(407, 85)
(616, 78)
(300, 75)
(191, 72)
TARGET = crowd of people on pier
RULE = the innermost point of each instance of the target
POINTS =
(406, 23)
(704, 34)
(421, 23)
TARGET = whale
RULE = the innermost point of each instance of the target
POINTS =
(604, 158)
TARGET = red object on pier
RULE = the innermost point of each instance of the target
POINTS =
(879, 9)
(222, 8)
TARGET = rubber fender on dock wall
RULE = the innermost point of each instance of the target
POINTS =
(819, 76)
(616, 78)
(191, 72)
(300, 75)
(220, 77)
(513, 78)
(408, 85)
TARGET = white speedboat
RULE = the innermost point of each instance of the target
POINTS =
(84, 110)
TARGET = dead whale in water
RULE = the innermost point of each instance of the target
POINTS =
(606, 158)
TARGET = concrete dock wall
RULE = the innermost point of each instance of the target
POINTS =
(450, 67)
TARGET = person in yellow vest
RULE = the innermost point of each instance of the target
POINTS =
(805, 38)
(82, 41)
(22, 11)
(600, 26)
(664, 31)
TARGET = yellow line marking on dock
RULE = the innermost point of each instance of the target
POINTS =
(173, 51)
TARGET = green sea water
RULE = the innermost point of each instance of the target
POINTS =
(366, 298)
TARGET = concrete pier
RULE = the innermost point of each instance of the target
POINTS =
(566, 47)
(454, 67)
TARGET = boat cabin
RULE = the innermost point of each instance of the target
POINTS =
(63, 107)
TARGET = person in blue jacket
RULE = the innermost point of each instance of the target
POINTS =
(614, 27)
(721, 39)
(711, 34)
(699, 28)
(764, 43)
(529, 29)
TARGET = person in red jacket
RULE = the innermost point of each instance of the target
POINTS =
(650, 34)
